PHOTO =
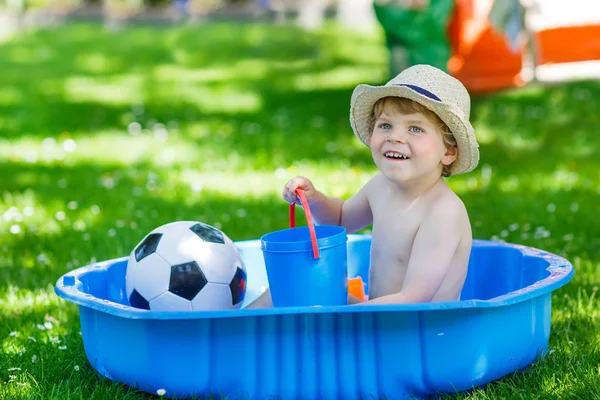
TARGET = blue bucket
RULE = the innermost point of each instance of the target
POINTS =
(307, 266)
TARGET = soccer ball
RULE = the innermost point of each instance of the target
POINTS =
(185, 266)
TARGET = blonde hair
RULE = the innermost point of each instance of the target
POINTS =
(407, 106)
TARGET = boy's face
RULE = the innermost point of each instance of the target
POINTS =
(409, 146)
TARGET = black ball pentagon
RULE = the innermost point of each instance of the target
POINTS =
(238, 286)
(138, 301)
(148, 246)
(187, 280)
(207, 233)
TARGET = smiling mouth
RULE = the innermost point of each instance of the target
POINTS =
(394, 155)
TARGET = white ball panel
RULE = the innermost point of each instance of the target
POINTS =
(212, 297)
(179, 246)
(130, 274)
(152, 276)
(227, 240)
(170, 302)
(218, 262)
(174, 228)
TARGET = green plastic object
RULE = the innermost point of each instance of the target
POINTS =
(416, 36)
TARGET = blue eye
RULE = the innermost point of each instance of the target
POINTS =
(415, 129)
(385, 126)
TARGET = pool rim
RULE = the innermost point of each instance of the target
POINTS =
(69, 285)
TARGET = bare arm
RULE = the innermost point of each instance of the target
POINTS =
(356, 211)
(326, 210)
(433, 249)
(353, 214)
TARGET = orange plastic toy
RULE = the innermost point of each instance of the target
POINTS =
(356, 288)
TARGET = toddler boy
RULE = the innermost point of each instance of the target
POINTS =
(418, 129)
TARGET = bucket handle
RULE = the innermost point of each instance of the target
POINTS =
(309, 220)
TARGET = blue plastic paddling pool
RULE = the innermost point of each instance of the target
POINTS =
(501, 325)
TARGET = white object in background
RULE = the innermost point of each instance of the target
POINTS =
(357, 15)
(548, 14)
(311, 13)
(564, 72)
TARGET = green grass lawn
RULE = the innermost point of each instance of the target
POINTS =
(105, 136)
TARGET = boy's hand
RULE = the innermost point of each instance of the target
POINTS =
(299, 182)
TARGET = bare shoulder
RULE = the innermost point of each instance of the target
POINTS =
(375, 185)
(447, 206)
(378, 181)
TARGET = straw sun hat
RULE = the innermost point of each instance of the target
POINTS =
(434, 89)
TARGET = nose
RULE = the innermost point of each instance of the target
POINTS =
(395, 136)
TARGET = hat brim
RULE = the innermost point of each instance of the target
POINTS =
(364, 98)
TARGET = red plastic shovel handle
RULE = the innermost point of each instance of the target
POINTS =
(309, 220)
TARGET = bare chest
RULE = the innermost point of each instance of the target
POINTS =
(395, 225)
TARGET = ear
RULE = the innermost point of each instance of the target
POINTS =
(450, 156)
